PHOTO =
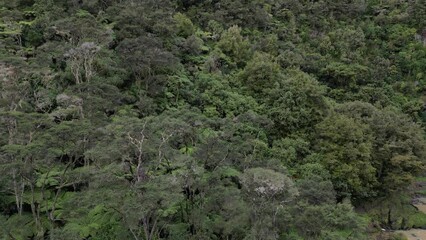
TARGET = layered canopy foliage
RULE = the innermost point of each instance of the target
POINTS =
(225, 119)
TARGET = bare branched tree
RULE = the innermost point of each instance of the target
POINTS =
(80, 60)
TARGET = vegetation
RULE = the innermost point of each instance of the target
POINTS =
(124, 119)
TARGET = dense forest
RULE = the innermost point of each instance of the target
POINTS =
(211, 119)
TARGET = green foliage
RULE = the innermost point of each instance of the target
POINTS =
(296, 103)
(234, 44)
(395, 166)
(261, 73)
(184, 25)
(9, 228)
(417, 220)
(223, 119)
(347, 148)
(314, 220)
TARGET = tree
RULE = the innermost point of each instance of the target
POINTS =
(346, 76)
(185, 26)
(398, 145)
(80, 61)
(138, 19)
(296, 103)
(152, 204)
(268, 192)
(21, 158)
(346, 145)
(325, 221)
(149, 63)
(234, 44)
(260, 74)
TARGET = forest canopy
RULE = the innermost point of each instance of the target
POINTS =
(210, 119)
